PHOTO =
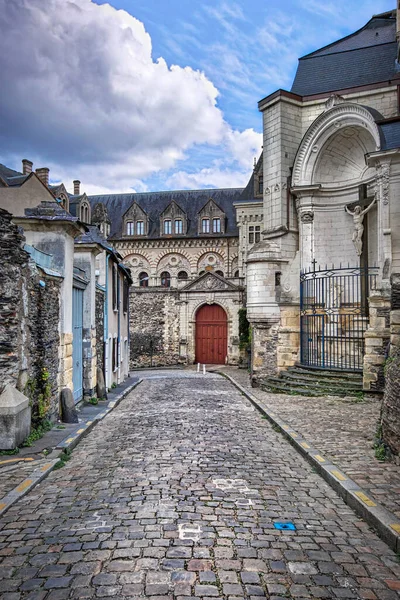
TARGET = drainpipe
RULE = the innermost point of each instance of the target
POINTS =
(119, 322)
(106, 348)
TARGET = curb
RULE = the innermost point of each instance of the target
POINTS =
(26, 486)
(385, 523)
(70, 442)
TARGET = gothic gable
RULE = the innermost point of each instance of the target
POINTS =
(135, 221)
(211, 211)
(177, 219)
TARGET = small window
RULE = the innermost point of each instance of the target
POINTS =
(140, 228)
(182, 276)
(167, 227)
(178, 225)
(165, 279)
(130, 228)
(217, 225)
(205, 225)
(260, 184)
(126, 296)
(201, 273)
(257, 233)
(236, 274)
(220, 273)
(251, 234)
(277, 278)
(143, 279)
(115, 288)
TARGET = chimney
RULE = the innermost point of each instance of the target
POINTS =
(43, 175)
(26, 166)
(77, 187)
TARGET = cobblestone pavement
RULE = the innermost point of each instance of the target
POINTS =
(341, 429)
(175, 494)
(13, 471)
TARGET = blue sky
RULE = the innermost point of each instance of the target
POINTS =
(156, 94)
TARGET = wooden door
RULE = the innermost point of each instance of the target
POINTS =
(211, 335)
(77, 354)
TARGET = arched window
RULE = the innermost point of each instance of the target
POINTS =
(143, 279)
(220, 273)
(167, 226)
(182, 276)
(236, 274)
(130, 228)
(201, 272)
(165, 279)
(205, 225)
(178, 226)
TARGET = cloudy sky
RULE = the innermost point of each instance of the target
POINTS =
(152, 94)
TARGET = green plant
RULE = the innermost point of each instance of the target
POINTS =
(113, 385)
(38, 390)
(60, 427)
(380, 447)
(93, 401)
(9, 452)
(37, 433)
(244, 330)
(64, 457)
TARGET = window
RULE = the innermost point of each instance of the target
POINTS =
(220, 273)
(254, 234)
(178, 226)
(143, 279)
(260, 184)
(205, 225)
(201, 272)
(114, 287)
(115, 353)
(217, 225)
(129, 228)
(236, 274)
(277, 278)
(165, 279)
(140, 228)
(182, 276)
(167, 227)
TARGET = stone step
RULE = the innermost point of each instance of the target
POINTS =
(279, 385)
(316, 379)
(328, 373)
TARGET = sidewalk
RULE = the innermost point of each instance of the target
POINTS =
(342, 429)
(21, 472)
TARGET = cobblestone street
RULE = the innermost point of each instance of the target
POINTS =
(175, 494)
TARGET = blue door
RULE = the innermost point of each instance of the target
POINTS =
(77, 329)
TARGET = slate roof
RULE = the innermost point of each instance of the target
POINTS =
(365, 57)
(11, 177)
(154, 203)
(390, 132)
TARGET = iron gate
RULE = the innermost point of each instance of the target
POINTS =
(334, 316)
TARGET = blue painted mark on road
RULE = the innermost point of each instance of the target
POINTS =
(289, 526)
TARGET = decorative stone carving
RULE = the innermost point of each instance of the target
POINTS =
(358, 218)
(382, 181)
(307, 216)
(333, 100)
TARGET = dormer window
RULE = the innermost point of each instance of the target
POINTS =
(130, 228)
(217, 225)
(260, 184)
(135, 221)
(85, 213)
(178, 226)
(205, 225)
(167, 227)
(140, 228)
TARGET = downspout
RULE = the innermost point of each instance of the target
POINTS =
(106, 349)
(119, 323)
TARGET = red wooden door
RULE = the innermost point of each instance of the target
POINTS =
(211, 335)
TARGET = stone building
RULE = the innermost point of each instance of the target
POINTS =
(182, 249)
(331, 213)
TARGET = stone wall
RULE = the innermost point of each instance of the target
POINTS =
(43, 322)
(14, 261)
(154, 327)
(29, 324)
(99, 320)
(391, 401)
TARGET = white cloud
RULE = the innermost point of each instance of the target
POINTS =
(85, 96)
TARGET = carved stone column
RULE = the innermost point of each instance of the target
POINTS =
(382, 190)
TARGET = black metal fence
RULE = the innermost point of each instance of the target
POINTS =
(334, 316)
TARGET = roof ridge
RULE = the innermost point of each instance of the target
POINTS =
(166, 192)
(346, 37)
(312, 55)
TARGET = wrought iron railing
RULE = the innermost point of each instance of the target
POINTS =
(334, 316)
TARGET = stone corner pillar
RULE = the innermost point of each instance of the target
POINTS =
(376, 338)
(15, 418)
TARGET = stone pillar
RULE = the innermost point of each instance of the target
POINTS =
(391, 400)
(384, 231)
(288, 336)
(376, 338)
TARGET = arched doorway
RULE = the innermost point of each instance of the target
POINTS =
(211, 335)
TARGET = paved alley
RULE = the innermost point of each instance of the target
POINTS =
(175, 494)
